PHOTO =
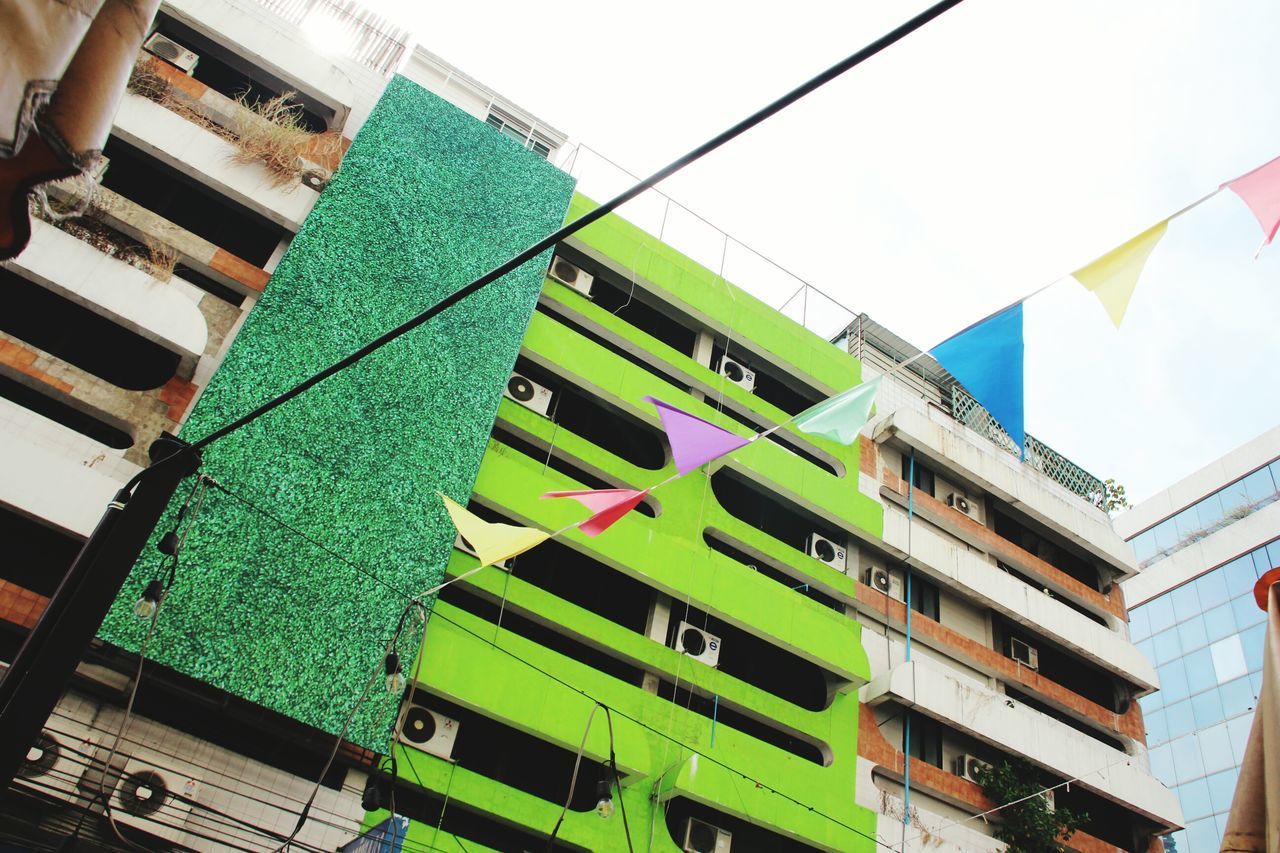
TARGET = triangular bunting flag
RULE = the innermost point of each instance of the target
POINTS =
(987, 359)
(841, 417)
(1113, 277)
(608, 505)
(693, 440)
(492, 542)
(1260, 189)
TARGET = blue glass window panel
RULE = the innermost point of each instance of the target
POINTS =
(1237, 698)
(1157, 728)
(1238, 730)
(1161, 613)
(1259, 486)
(1144, 545)
(1261, 562)
(1187, 523)
(1187, 761)
(1173, 681)
(1220, 622)
(1186, 603)
(1209, 511)
(1246, 611)
(1216, 748)
(1273, 557)
(1228, 659)
(1192, 635)
(1255, 681)
(1240, 576)
(1233, 496)
(1166, 646)
(1212, 588)
(1208, 708)
(1222, 787)
(1139, 624)
(1202, 836)
(1252, 640)
(1176, 842)
(1148, 649)
(1194, 797)
(1152, 701)
(1162, 763)
(1166, 535)
(1201, 672)
(1275, 471)
(1180, 719)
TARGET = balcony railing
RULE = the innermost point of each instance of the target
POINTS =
(1039, 455)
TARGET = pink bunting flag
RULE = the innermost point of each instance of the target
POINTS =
(608, 505)
(1260, 189)
(693, 440)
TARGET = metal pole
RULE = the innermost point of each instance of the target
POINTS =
(48, 657)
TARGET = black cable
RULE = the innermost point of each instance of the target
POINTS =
(591, 216)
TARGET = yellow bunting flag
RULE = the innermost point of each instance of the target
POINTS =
(492, 542)
(1113, 277)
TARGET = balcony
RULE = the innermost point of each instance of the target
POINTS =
(1009, 726)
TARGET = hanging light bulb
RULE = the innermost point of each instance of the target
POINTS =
(395, 674)
(604, 806)
(145, 606)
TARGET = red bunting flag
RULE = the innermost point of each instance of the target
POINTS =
(1260, 189)
(608, 505)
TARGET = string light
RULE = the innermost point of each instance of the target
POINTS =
(149, 602)
(395, 674)
(604, 805)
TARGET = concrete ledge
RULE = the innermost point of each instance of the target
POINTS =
(1009, 726)
(46, 486)
(1029, 607)
(112, 289)
(953, 447)
(207, 158)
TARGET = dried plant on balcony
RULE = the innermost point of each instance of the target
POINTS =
(161, 259)
(271, 132)
(155, 259)
(147, 81)
(1030, 823)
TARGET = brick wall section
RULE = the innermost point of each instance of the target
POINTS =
(178, 393)
(253, 277)
(971, 651)
(873, 746)
(997, 546)
(23, 360)
(20, 606)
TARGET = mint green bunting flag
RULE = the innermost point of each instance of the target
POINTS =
(841, 417)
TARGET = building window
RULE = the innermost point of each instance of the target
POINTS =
(923, 479)
(924, 741)
(924, 597)
(518, 131)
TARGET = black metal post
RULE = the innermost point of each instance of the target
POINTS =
(38, 675)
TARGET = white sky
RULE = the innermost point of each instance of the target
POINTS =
(991, 153)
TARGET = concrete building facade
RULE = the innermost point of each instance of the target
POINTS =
(751, 645)
(1202, 543)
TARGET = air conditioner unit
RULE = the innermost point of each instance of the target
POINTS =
(1048, 799)
(154, 799)
(967, 767)
(571, 275)
(462, 545)
(702, 837)
(825, 551)
(1023, 653)
(529, 394)
(55, 763)
(424, 729)
(698, 644)
(171, 52)
(883, 581)
(738, 374)
(99, 168)
(958, 501)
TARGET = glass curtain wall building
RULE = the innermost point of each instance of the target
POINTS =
(1203, 543)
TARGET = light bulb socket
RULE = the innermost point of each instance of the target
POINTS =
(392, 663)
(168, 543)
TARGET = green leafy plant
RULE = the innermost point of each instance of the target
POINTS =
(1111, 497)
(1030, 824)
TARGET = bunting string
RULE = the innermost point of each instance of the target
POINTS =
(986, 357)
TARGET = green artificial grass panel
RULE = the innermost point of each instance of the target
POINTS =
(427, 199)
